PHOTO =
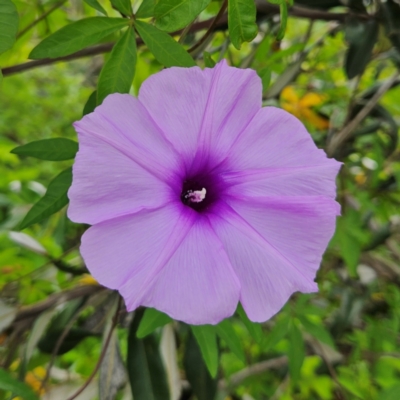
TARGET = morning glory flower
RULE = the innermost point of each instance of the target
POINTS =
(200, 198)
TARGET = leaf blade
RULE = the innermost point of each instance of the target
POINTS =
(165, 49)
(56, 149)
(207, 340)
(54, 199)
(152, 319)
(226, 332)
(9, 383)
(117, 73)
(8, 24)
(76, 36)
(242, 21)
(172, 15)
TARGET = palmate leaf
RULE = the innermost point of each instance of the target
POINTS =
(8, 24)
(57, 149)
(54, 199)
(165, 49)
(18, 388)
(117, 73)
(76, 36)
(172, 15)
(242, 21)
(207, 340)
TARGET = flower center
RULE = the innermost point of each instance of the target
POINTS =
(198, 193)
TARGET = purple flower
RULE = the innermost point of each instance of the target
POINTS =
(199, 198)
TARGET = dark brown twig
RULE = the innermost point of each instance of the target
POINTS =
(263, 9)
(41, 18)
(211, 28)
(103, 353)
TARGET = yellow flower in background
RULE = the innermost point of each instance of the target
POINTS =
(87, 279)
(34, 379)
(302, 107)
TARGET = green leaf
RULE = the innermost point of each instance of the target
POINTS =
(318, 331)
(96, 5)
(90, 104)
(172, 15)
(18, 388)
(284, 17)
(242, 21)
(253, 327)
(226, 332)
(207, 341)
(391, 393)
(152, 319)
(278, 332)
(123, 6)
(57, 149)
(165, 49)
(296, 353)
(145, 368)
(146, 9)
(117, 73)
(8, 24)
(204, 387)
(208, 61)
(54, 199)
(362, 37)
(76, 36)
(265, 75)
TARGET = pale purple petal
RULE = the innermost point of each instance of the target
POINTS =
(275, 155)
(285, 181)
(123, 123)
(127, 252)
(199, 110)
(197, 285)
(103, 190)
(275, 246)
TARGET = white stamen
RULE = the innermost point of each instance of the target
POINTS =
(197, 195)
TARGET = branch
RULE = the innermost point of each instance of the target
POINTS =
(346, 132)
(263, 10)
(42, 17)
(29, 312)
(256, 369)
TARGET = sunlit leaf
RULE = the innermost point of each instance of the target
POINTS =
(226, 332)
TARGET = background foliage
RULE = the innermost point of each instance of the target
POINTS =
(334, 64)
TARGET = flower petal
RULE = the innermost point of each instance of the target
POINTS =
(126, 252)
(107, 184)
(197, 285)
(122, 122)
(285, 181)
(202, 109)
(275, 155)
(275, 246)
